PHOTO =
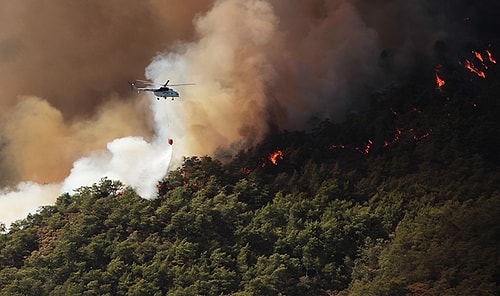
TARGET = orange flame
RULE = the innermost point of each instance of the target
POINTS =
(395, 113)
(418, 138)
(415, 109)
(478, 56)
(439, 81)
(398, 133)
(470, 66)
(411, 131)
(339, 146)
(367, 148)
(484, 59)
(490, 57)
(245, 170)
(273, 157)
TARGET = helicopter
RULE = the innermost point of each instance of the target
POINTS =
(160, 92)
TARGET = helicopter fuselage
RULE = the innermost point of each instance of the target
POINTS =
(165, 92)
(161, 92)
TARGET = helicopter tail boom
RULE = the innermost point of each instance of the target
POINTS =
(132, 85)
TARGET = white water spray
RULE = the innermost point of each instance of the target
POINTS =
(131, 160)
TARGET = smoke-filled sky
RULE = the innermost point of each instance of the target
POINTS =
(67, 114)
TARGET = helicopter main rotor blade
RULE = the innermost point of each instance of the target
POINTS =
(182, 84)
(147, 82)
(150, 83)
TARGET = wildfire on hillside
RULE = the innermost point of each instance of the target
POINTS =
(417, 137)
(337, 146)
(472, 68)
(490, 57)
(275, 156)
(367, 147)
(398, 133)
(395, 113)
(483, 60)
(245, 170)
(364, 150)
(477, 64)
(439, 81)
(411, 131)
(478, 56)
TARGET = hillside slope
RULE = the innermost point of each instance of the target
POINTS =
(402, 199)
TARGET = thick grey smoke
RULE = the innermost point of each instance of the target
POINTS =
(254, 70)
(76, 54)
(261, 64)
(68, 120)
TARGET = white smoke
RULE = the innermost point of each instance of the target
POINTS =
(131, 160)
(25, 198)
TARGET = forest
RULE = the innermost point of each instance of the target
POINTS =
(401, 199)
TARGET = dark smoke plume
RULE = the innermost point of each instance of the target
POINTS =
(261, 64)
